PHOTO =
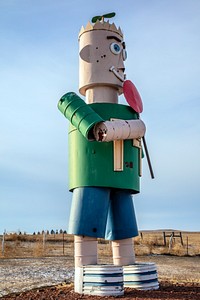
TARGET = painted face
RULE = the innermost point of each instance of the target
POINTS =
(102, 55)
(118, 48)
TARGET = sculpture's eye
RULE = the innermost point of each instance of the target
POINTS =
(115, 48)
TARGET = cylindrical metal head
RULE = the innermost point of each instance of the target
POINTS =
(101, 57)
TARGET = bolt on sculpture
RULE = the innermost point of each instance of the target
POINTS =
(105, 149)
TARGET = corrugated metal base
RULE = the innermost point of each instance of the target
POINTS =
(100, 280)
(141, 276)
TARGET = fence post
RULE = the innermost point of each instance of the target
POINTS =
(63, 244)
(164, 237)
(181, 237)
(171, 240)
(44, 238)
(187, 247)
(3, 242)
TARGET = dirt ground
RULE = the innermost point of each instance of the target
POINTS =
(51, 278)
(167, 291)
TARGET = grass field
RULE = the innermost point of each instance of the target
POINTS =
(147, 243)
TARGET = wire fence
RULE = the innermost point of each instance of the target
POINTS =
(35, 245)
(54, 243)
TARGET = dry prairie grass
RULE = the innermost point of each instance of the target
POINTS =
(147, 243)
(152, 242)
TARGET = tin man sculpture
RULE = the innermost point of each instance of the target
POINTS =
(104, 147)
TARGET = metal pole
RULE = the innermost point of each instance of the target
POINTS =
(148, 157)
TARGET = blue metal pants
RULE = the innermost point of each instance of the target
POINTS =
(103, 213)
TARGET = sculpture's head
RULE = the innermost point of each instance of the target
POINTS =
(102, 55)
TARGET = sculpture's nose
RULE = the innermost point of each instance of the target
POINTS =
(121, 66)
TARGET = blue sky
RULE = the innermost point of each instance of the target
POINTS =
(39, 63)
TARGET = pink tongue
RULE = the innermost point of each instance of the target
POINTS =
(132, 96)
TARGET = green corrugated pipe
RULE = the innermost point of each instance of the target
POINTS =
(81, 115)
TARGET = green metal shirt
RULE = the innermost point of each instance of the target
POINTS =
(91, 163)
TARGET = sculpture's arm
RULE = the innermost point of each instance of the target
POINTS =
(93, 127)
(81, 115)
(119, 130)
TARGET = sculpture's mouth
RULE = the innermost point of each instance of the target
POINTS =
(115, 71)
